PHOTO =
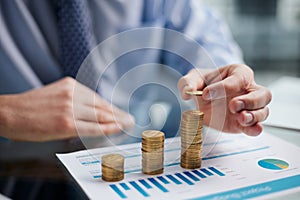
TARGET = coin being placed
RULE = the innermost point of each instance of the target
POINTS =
(194, 93)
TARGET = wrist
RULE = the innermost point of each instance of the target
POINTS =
(5, 113)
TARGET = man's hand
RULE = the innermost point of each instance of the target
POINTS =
(53, 112)
(246, 101)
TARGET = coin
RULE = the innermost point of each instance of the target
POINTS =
(194, 93)
(150, 135)
(151, 172)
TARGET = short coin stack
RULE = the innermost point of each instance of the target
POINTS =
(112, 167)
(191, 139)
(153, 152)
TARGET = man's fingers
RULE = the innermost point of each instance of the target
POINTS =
(227, 82)
(256, 99)
(250, 118)
(86, 96)
(254, 130)
(118, 114)
(92, 107)
(190, 82)
(123, 118)
(230, 86)
(94, 129)
(86, 113)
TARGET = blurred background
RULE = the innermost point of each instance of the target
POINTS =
(268, 31)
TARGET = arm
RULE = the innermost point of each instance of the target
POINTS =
(53, 112)
(197, 21)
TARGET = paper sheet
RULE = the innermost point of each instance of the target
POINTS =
(285, 106)
(237, 167)
(2, 197)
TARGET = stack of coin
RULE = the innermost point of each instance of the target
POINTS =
(113, 167)
(191, 139)
(153, 152)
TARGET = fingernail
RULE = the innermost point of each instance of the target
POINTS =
(248, 118)
(239, 106)
(210, 95)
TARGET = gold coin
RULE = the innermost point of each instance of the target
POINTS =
(191, 146)
(194, 93)
(154, 172)
(191, 140)
(113, 160)
(109, 179)
(111, 174)
(152, 135)
(187, 166)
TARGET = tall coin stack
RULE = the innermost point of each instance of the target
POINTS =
(191, 139)
(153, 152)
(112, 167)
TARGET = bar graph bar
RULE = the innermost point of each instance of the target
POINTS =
(194, 178)
(124, 186)
(175, 180)
(216, 171)
(186, 177)
(158, 185)
(206, 172)
(179, 175)
(162, 179)
(147, 185)
(118, 191)
(199, 174)
(90, 162)
(139, 189)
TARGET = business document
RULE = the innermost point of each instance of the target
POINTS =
(235, 166)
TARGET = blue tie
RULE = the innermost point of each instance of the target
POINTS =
(75, 29)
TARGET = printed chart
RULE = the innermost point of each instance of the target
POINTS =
(273, 164)
(237, 167)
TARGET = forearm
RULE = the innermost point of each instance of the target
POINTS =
(5, 115)
(54, 112)
(216, 46)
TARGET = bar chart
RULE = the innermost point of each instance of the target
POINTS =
(172, 155)
(146, 186)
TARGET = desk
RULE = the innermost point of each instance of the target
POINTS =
(291, 136)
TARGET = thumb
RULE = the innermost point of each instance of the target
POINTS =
(191, 82)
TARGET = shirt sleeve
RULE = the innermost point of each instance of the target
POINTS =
(197, 21)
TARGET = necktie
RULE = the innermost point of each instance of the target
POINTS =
(76, 38)
(75, 30)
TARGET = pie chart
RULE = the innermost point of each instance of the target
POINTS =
(273, 164)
